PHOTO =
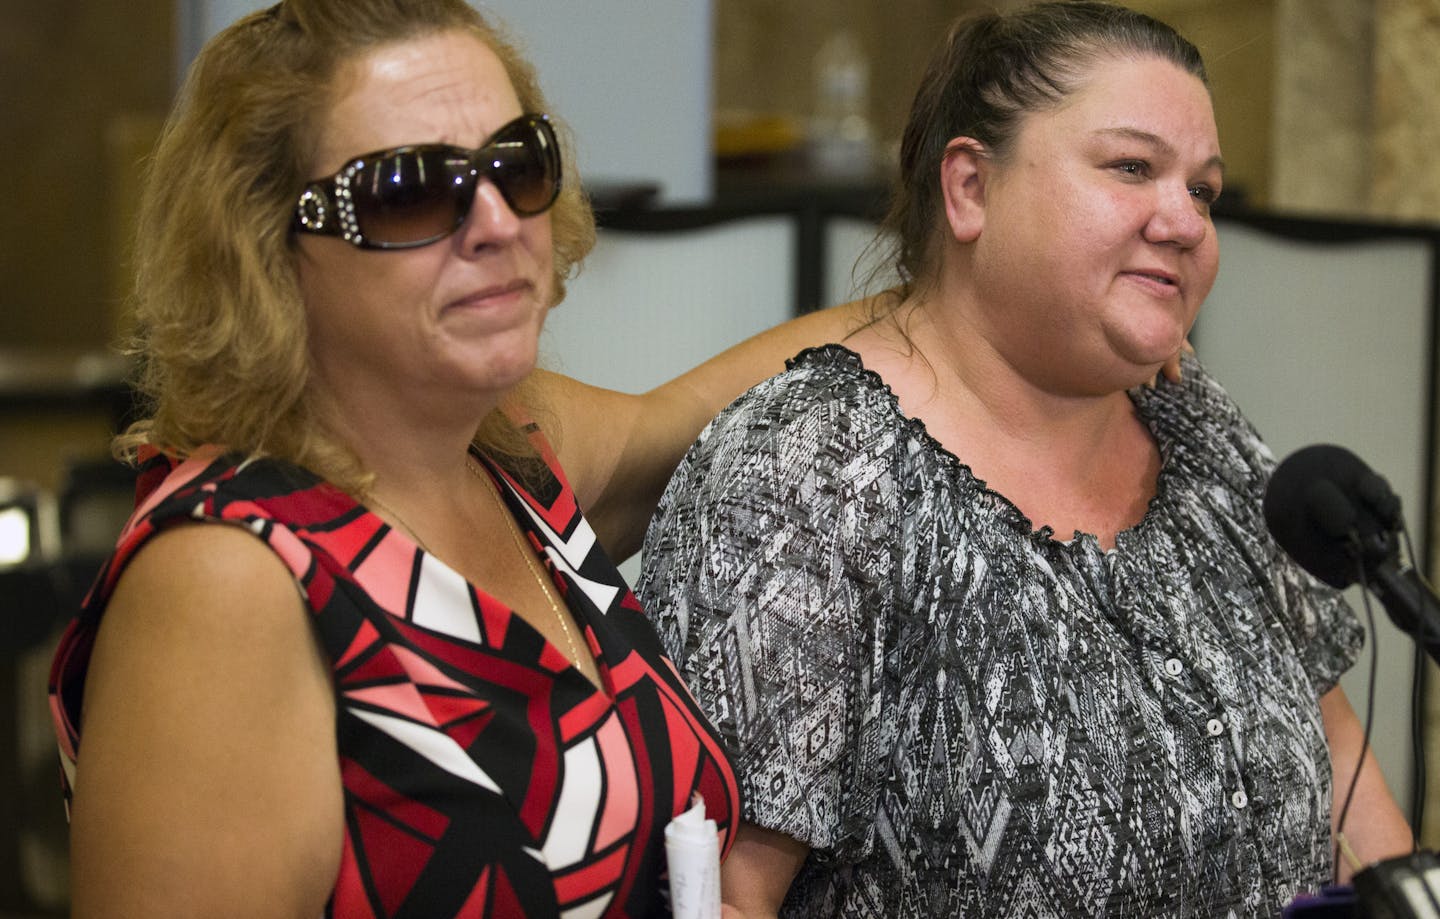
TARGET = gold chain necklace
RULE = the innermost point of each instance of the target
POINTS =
(527, 553)
(513, 528)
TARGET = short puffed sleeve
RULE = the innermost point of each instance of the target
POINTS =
(770, 570)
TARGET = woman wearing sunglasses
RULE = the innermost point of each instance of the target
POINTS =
(358, 652)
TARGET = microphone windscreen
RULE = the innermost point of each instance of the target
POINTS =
(1332, 512)
(1376, 495)
(1299, 513)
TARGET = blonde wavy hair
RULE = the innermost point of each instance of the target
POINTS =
(221, 340)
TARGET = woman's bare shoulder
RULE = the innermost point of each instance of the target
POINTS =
(208, 769)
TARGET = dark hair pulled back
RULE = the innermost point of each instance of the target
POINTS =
(991, 71)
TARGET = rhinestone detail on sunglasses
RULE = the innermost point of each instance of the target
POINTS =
(448, 197)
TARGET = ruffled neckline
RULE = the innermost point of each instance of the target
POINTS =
(1002, 507)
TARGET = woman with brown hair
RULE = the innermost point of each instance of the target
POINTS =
(990, 628)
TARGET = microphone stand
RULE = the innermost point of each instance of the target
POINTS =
(1406, 886)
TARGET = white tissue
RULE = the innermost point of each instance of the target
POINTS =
(692, 847)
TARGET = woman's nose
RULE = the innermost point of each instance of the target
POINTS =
(1180, 218)
(490, 221)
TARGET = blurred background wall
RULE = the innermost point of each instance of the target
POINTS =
(1325, 106)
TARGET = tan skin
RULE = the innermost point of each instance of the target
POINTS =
(1071, 271)
(209, 784)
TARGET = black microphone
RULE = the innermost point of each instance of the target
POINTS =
(1339, 520)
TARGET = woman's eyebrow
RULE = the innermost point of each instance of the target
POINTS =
(1157, 142)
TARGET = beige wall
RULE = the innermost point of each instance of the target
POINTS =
(765, 49)
(1237, 38)
(1301, 106)
(1407, 110)
(1357, 119)
(1323, 106)
(764, 52)
(85, 84)
(71, 70)
(1322, 124)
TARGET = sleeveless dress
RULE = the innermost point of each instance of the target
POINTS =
(483, 774)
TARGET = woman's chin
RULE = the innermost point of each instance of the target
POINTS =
(1150, 351)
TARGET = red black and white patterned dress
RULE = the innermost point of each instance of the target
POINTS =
(483, 774)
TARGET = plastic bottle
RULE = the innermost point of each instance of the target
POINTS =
(842, 141)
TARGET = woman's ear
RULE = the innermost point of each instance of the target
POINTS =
(962, 182)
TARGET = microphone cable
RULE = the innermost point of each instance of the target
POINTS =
(1417, 743)
(1340, 845)
(1417, 695)
(1417, 746)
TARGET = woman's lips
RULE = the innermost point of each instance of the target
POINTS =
(493, 296)
(1159, 281)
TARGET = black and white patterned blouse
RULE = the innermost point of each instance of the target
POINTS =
(962, 716)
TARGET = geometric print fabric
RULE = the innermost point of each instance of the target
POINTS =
(962, 714)
(483, 775)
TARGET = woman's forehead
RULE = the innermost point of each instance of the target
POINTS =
(1120, 96)
(449, 87)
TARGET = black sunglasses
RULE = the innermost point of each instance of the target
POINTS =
(413, 196)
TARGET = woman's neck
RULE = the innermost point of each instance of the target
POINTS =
(1066, 457)
(971, 377)
(410, 451)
